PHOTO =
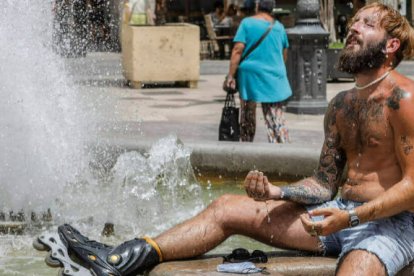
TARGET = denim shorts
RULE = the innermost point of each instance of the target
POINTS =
(390, 239)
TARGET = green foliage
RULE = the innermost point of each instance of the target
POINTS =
(336, 45)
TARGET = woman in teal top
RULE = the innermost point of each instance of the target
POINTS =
(261, 77)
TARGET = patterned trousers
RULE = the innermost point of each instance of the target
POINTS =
(273, 113)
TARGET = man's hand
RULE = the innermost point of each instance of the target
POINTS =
(335, 220)
(259, 188)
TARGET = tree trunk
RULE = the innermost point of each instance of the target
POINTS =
(357, 4)
(322, 13)
(331, 20)
(327, 17)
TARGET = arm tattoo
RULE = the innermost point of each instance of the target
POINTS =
(323, 185)
(306, 192)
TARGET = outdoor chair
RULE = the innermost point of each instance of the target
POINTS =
(217, 43)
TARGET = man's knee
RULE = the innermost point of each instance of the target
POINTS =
(360, 262)
(226, 209)
(226, 201)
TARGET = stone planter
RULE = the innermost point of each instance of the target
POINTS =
(157, 54)
(332, 73)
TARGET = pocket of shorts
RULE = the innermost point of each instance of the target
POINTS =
(403, 222)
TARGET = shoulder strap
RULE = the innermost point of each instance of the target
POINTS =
(251, 49)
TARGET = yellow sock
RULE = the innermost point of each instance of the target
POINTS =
(155, 246)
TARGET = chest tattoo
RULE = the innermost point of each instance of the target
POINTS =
(406, 145)
(365, 121)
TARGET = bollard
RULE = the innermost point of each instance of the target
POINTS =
(307, 64)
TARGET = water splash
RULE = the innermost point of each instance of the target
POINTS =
(45, 124)
(141, 194)
(43, 120)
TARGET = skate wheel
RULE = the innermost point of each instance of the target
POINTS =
(38, 245)
(61, 272)
(52, 262)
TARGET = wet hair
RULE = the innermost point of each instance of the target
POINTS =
(266, 6)
(396, 26)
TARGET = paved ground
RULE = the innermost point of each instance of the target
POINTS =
(192, 114)
(153, 112)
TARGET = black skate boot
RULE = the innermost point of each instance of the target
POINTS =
(130, 258)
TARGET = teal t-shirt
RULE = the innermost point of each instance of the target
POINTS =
(262, 75)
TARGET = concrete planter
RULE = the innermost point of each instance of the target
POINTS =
(156, 54)
(332, 73)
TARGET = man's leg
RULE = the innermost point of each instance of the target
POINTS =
(275, 223)
(360, 262)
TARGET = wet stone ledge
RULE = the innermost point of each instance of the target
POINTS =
(12, 227)
(278, 264)
(16, 223)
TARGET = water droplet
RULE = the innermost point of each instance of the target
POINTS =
(268, 215)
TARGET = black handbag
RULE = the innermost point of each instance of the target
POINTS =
(229, 128)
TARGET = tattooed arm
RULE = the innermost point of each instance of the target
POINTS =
(323, 185)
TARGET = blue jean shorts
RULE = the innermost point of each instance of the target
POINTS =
(390, 239)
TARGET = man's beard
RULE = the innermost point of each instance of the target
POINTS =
(372, 56)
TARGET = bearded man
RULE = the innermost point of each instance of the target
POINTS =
(369, 139)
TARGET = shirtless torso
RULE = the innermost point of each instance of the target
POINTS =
(364, 122)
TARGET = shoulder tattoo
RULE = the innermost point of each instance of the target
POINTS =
(393, 101)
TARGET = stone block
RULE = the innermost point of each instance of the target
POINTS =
(156, 54)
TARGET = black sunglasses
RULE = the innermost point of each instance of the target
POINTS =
(242, 255)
